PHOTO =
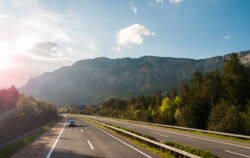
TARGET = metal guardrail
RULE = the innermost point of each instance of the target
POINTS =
(169, 148)
(184, 128)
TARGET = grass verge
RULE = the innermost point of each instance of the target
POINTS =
(10, 149)
(204, 154)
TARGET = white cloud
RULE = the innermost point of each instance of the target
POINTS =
(92, 46)
(227, 37)
(175, 1)
(118, 49)
(132, 35)
(159, 1)
(150, 4)
(135, 10)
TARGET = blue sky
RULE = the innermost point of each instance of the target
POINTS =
(190, 28)
(38, 36)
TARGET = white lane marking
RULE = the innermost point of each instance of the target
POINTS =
(160, 134)
(122, 141)
(237, 153)
(54, 145)
(81, 130)
(197, 137)
(90, 145)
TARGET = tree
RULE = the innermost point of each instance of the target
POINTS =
(173, 92)
(8, 98)
(235, 79)
(246, 118)
(186, 117)
(232, 122)
(183, 92)
(198, 106)
(217, 114)
(168, 108)
(211, 88)
(158, 98)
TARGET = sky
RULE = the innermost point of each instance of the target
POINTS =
(38, 36)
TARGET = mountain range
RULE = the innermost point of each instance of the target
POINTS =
(91, 81)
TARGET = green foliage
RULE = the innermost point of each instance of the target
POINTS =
(235, 79)
(173, 92)
(184, 92)
(246, 118)
(168, 108)
(30, 114)
(8, 98)
(204, 154)
(213, 100)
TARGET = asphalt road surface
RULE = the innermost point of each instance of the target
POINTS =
(85, 141)
(221, 147)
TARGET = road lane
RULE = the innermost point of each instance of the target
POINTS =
(88, 140)
(214, 145)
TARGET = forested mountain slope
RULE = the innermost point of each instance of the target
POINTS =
(92, 80)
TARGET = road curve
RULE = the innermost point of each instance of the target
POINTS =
(85, 140)
(221, 147)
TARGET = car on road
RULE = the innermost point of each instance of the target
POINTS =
(72, 123)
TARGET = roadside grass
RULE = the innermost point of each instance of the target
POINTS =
(12, 148)
(204, 154)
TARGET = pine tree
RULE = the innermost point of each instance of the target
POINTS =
(183, 92)
(173, 92)
(211, 88)
(235, 79)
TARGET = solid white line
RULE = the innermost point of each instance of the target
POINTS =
(160, 134)
(122, 141)
(81, 130)
(237, 153)
(90, 145)
(54, 145)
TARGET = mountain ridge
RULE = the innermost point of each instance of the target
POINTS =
(91, 81)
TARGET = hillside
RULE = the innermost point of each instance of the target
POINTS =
(92, 80)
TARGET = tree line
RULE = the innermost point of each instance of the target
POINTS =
(30, 114)
(8, 98)
(216, 100)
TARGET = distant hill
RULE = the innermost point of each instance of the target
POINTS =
(92, 80)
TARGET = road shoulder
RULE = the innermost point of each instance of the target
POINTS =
(40, 147)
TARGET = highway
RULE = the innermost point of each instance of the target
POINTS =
(221, 147)
(85, 140)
